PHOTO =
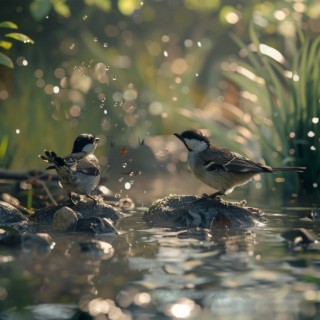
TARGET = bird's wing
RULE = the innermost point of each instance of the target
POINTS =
(88, 165)
(225, 160)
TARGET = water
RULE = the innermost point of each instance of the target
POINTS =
(164, 274)
(158, 273)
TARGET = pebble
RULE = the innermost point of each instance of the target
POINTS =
(64, 219)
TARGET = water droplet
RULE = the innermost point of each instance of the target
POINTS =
(95, 39)
(120, 179)
(315, 185)
(114, 78)
(311, 134)
(18, 131)
(72, 46)
(105, 111)
(313, 148)
(85, 17)
(165, 53)
(197, 74)
(131, 174)
(199, 44)
(131, 182)
(106, 44)
(127, 185)
(315, 120)
(107, 68)
(124, 165)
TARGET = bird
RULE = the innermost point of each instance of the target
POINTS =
(220, 168)
(79, 172)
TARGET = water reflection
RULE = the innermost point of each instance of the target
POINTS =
(166, 274)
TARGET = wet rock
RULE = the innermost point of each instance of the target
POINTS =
(190, 212)
(315, 215)
(10, 237)
(97, 249)
(9, 214)
(64, 219)
(95, 225)
(126, 204)
(86, 209)
(41, 243)
(37, 244)
(299, 237)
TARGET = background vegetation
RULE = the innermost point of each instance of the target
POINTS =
(131, 70)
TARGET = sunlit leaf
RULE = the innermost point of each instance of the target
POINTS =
(6, 61)
(5, 44)
(40, 8)
(104, 5)
(61, 8)
(8, 24)
(3, 146)
(127, 7)
(20, 37)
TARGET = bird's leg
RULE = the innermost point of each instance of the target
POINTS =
(215, 194)
(92, 198)
(73, 201)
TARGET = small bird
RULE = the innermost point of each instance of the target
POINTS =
(220, 168)
(79, 172)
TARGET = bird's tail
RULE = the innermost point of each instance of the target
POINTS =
(298, 169)
(51, 157)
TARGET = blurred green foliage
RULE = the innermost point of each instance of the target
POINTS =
(128, 69)
(5, 44)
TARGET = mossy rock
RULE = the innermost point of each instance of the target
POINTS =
(186, 211)
(85, 209)
(9, 214)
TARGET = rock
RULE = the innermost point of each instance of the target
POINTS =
(10, 214)
(315, 215)
(40, 243)
(86, 209)
(95, 225)
(190, 212)
(37, 244)
(126, 204)
(10, 237)
(64, 219)
(299, 237)
(97, 249)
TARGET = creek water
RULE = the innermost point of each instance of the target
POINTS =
(158, 273)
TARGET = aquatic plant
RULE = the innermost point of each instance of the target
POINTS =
(6, 153)
(285, 108)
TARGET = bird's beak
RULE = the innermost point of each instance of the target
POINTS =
(178, 136)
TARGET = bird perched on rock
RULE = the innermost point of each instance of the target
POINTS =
(220, 168)
(79, 172)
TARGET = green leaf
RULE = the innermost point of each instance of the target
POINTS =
(6, 61)
(104, 5)
(40, 8)
(20, 37)
(8, 24)
(5, 45)
(61, 8)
